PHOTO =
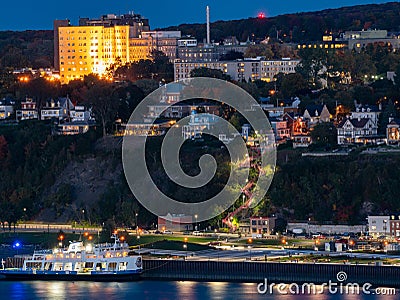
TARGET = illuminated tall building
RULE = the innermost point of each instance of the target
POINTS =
(96, 44)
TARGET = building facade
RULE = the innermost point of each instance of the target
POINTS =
(6, 108)
(261, 226)
(96, 44)
(59, 109)
(360, 130)
(393, 131)
(175, 222)
(378, 225)
(357, 40)
(28, 110)
(254, 68)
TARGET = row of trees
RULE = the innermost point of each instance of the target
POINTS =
(30, 161)
(302, 27)
(338, 191)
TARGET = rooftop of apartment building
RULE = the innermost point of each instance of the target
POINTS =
(112, 20)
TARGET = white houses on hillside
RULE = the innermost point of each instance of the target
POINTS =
(355, 130)
(360, 127)
(367, 111)
(6, 108)
(58, 109)
(28, 110)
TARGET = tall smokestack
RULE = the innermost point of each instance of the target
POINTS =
(208, 24)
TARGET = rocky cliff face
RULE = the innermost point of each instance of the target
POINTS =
(79, 187)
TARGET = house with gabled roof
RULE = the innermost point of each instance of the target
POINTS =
(28, 110)
(58, 109)
(393, 131)
(6, 108)
(360, 130)
(316, 113)
(366, 111)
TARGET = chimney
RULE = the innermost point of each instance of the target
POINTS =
(208, 24)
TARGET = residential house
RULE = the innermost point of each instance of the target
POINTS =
(57, 109)
(6, 108)
(367, 111)
(146, 128)
(393, 131)
(209, 108)
(175, 222)
(76, 127)
(296, 123)
(176, 111)
(361, 130)
(394, 226)
(171, 93)
(80, 114)
(316, 114)
(301, 141)
(198, 123)
(28, 110)
(281, 129)
(81, 121)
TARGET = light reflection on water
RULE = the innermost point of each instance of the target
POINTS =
(182, 290)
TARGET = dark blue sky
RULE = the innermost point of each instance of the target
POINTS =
(39, 14)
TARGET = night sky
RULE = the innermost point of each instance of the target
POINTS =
(39, 14)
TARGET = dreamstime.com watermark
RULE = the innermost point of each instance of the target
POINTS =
(339, 287)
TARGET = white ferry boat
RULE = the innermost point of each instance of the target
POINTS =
(100, 262)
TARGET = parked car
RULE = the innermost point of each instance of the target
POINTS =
(197, 233)
(167, 232)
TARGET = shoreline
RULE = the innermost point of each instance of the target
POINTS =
(258, 271)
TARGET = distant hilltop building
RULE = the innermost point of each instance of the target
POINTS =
(354, 40)
(96, 44)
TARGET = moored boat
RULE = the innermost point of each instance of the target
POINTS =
(99, 262)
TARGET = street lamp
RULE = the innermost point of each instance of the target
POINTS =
(136, 215)
(138, 241)
(249, 241)
(83, 219)
(185, 247)
(195, 216)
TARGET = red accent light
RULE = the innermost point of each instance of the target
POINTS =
(261, 15)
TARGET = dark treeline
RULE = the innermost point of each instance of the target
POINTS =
(339, 190)
(31, 48)
(301, 27)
